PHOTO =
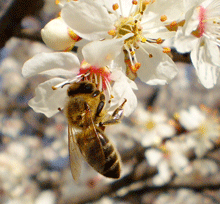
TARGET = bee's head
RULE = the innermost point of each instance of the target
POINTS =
(80, 88)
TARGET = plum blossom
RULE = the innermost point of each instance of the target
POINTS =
(204, 128)
(133, 29)
(169, 158)
(153, 127)
(63, 69)
(200, 35)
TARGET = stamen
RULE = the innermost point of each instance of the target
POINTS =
(121, 8)
(149, 54)
(166, 50)
(73, 35)
(135, 2)
(129, 54)
(112, 32)
(163, 18)
(115, 6)
(100, 83)
(61, 85)
(108, 87)
(159, 40)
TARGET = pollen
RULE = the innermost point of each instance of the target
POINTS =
(132, 52)
(163, 18)
(143, 40)
(112, 32)
(137, 65)
(202, 130)
(134, 2)
(57, 2)
(73, 35)
(159, 40)
(166, 50)
(150, 55)
(115, 6)
(150, 125)
(173, 24)
(54, 88)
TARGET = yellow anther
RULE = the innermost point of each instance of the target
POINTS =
(143, 39)
(54, 88)
(150, 55)
(166, 50)
(133, 69)
(174, 23)
(163, 18)
(115, 6)
(202, 129)
(57, 2)
(137, 65)
(132, 52)
(176, 116)
(135, 2)
(159, 40)
(73, 35)
(150, 125)
(111, 32)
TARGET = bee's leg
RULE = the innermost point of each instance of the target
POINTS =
(115, 117)
(101, 104)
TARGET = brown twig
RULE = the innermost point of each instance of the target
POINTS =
(11, 18)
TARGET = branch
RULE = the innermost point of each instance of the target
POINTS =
(14, 13)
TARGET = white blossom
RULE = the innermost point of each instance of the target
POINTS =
(203, 126)
(133, 27)
(153, 127)
(64, 69)
(169, 158)
(200, 35)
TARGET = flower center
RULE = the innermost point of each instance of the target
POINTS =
(150, 124)
(202, 22)
(99, 76)
(202, 130)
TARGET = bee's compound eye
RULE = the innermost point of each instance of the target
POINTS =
(86, 88)
(95, 93)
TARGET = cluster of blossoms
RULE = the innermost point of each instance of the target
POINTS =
(120, 40)
(171, 143)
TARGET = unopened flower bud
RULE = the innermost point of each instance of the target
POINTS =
(58, 36)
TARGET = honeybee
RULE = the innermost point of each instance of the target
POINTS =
(86, 123)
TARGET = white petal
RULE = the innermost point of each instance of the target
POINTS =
(122, 89)
(165, 130)
(101, 53)
(184, 43)
(164, 175)
(159, 69)
(153, 156)
(88, 19)
(47, 100)
(124, 6)
(47, 61)
(206, 70)
(191, 21)
(171, 8)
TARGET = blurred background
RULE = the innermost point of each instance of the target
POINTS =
(169, 146)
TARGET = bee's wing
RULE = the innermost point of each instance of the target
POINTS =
(92, 142)
(75, 154)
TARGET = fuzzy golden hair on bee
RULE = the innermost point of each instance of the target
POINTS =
(87, 118)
